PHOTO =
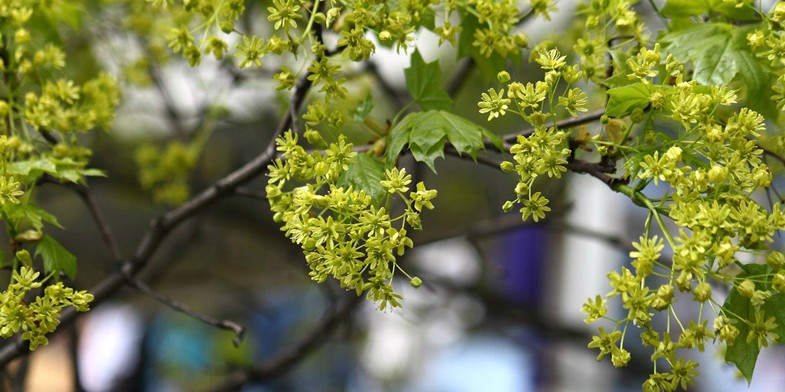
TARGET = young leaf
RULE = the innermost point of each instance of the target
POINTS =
(463, 134)
(399, 137)
(688, 8)
(363, 109)
(92, 172)
(742, 353)
(623, 100)
(423, 80)
(427, 143)
(427, 153)
(427, 132)
(685, 8)
(55, 257)
(31, 214)
(719, 53)
(365, 173)
(36, 167)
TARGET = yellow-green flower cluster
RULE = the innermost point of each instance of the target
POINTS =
(343, 232)
(544, 151)
(711, 169)
(166, 171)
(607, 22)
(39, 317)
(534, 102)
(498, 20)
(41, 113)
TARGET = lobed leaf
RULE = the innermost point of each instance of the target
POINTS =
(688, 8)
(423, 80)
(55, 257)
(742, 353)
(623, 100)
(363, 109)
(719, 54)
(427, 132)
(365, 174)
(27, 212)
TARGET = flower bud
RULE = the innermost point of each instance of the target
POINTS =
(416, 282)
(746, 288)
(227, 26)
(778, 282)
(507, 167)
(508, 205)
(775, 260)
(503, 77)
(701, 292)
(717, 173)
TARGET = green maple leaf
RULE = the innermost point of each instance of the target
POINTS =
(423, 80)
(719, 54)
(26, 212)
(742, 353)
(55, 257)
(623, 100)
(363, 109)
(688, 8)
(427, 132)
(366, 173)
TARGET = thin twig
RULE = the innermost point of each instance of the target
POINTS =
(247, 192)
(278, 365)
(98, 217)
(239, 330)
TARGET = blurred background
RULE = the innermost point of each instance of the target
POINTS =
(499, 309)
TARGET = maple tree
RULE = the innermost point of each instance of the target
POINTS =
(692, 107)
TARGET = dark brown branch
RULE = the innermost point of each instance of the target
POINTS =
(510, 222)
(239, 330)
(285, 360)
(598, 170)
(87, 197)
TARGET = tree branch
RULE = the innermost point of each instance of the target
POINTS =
(239, 330)
(98, 217)
(285, 360)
